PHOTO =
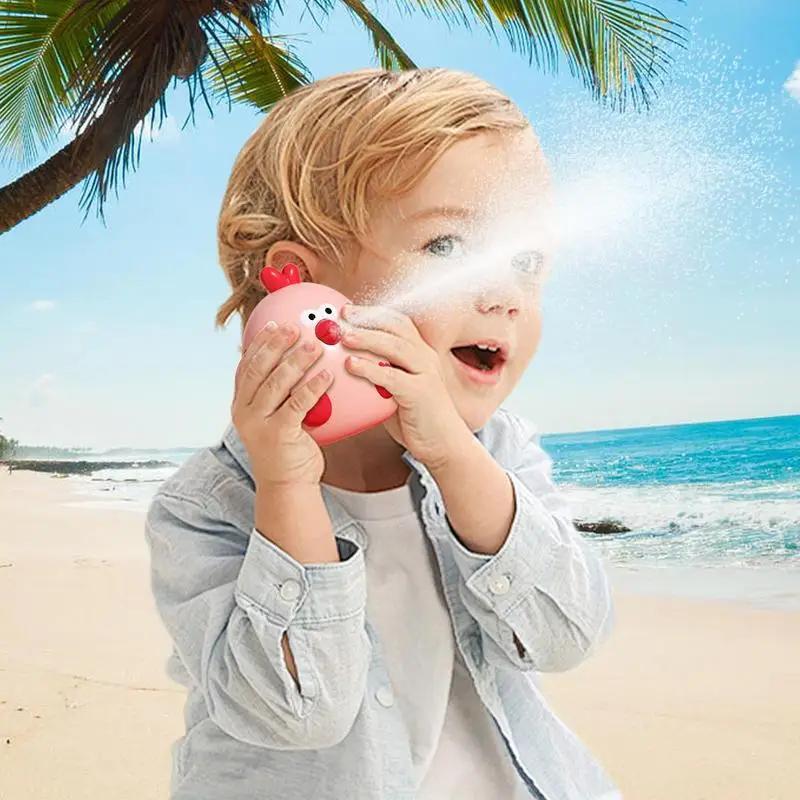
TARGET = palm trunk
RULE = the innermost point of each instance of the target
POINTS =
(38, 188)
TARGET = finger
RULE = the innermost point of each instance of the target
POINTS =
(261, 357)
(400, 352)
(382, 374)
(303, 398)
(283, 379)
(271, 331)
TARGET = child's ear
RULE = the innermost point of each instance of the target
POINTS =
(285, 252)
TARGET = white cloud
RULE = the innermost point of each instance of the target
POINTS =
(42, 390)
(167, 133)
(43, 305)
(792, 84)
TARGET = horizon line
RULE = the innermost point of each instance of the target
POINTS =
(94, 451)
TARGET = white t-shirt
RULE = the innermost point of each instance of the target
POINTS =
(456, 749)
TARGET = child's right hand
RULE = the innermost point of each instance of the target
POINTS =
(269, 408)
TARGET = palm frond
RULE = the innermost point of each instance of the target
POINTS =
(246, 66)
(260, 13)
(389, 53)
(137, 55)
(326, 8)
(42, 44)
(618, 48)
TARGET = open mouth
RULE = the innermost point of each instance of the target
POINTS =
(485, 357)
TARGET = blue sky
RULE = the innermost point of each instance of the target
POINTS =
(685, 310)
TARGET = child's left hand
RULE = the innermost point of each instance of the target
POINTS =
(427, 422)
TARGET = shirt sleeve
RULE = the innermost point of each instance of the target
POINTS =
(227, 597)
(543, 602)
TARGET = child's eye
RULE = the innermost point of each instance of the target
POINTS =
(310, 317)
(445, 246)
(528, 264)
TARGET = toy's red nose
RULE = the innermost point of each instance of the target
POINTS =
(328, 331)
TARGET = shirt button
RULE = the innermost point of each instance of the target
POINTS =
(385, 696)
(290, 590)
(499, 584)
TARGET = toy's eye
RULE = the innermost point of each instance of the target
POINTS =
(310, 317)
(327, 312)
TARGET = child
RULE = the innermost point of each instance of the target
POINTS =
(365, 622)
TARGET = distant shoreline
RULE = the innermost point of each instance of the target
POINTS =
(62, 467)
(601, 527)
(36, 452)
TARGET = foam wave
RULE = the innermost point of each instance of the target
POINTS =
(737, 524)
(120, 488)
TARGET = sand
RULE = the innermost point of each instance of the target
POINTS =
(689, 700)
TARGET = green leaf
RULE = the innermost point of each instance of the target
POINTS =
(390, 55)
(42, 44)
(619, 48)
(254, 69)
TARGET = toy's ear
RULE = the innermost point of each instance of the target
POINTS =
(292, 273)
(274, 280)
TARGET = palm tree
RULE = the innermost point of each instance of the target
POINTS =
(101, 69)
(7, 447)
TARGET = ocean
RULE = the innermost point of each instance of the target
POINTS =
(708, 494)
(718, 503)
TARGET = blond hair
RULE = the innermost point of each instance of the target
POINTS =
(330, 151)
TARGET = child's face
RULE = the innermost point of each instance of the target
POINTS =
(487, 187)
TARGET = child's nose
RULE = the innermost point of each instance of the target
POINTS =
(506, 300)
(509, 309)
(328, 331)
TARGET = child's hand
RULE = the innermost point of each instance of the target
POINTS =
(269, 407)
(427, 422)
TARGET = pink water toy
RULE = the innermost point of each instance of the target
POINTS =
(352, 404)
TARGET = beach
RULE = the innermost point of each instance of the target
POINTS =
(689, 700)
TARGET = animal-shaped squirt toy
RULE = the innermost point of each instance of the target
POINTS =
(352, 404)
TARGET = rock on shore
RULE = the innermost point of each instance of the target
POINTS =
(81, 467)
(604, 526)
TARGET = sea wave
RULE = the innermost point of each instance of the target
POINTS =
(130, 489)
(746, 523)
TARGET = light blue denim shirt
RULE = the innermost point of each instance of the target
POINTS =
(227, 595)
